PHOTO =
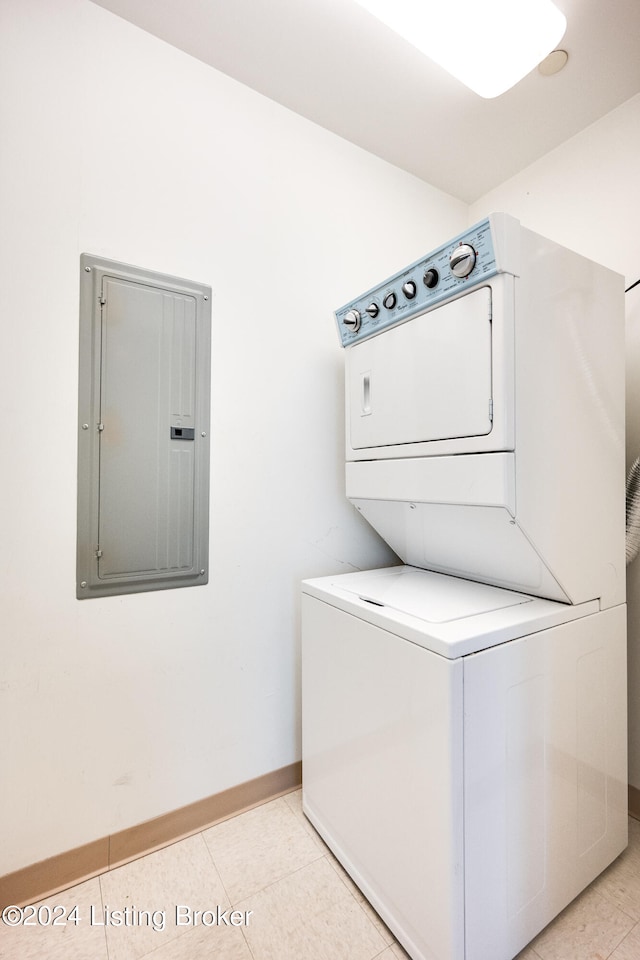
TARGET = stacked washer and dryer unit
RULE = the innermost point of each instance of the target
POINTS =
(464, 714)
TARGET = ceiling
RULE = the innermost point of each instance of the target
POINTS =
(332, 62)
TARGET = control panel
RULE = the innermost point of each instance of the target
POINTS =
(463, 262)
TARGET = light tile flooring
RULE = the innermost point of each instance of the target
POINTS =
(284, 897)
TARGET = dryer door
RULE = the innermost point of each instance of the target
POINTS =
(427, 379)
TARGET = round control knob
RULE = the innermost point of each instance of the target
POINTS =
(373, 310)
(431, 278)
(409, 289)
(390, 301)
(351, 319)
(462, 260)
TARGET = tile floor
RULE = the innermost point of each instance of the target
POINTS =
(284, 897)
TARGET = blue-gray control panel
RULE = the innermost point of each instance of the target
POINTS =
(462, 262)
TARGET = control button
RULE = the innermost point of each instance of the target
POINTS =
(390, 300)
(409, 289)
(462, 260)
(431, 278)
(373, 310)
(351, 319)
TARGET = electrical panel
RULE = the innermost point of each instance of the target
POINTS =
(143, 433)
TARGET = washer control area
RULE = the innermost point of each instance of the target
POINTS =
(468, 259)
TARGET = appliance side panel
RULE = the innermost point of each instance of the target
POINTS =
(569, 388)
(382, 772)
(545, 776)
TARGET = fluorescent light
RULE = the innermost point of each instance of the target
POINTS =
(486, 44)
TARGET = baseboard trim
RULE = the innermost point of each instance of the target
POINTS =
(634, 802)
(43, 879)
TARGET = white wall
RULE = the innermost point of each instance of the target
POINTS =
(586, 195)
(117, 710)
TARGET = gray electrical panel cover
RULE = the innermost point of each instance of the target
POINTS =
(143, 432)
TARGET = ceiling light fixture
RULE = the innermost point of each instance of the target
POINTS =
(489, 45)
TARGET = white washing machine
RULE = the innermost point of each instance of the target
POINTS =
(464, 715)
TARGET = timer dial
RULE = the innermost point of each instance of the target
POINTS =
(462, 260)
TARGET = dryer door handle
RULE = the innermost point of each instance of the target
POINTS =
(365, 394)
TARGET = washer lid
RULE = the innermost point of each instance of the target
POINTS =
(447, 615)
(433, 597)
